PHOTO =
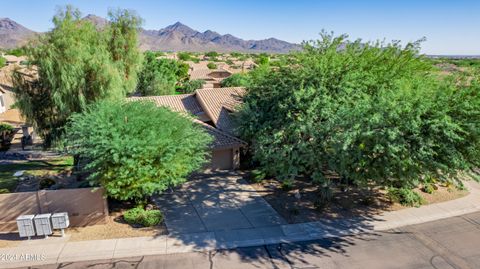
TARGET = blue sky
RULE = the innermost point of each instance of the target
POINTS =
(451, 27)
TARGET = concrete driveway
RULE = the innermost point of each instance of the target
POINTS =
(216, 202)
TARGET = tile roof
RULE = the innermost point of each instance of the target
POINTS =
(218, 103)
(204, 73)
(180, 103)
(221, 139)
(187, 103)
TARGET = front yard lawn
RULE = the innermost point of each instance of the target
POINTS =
(8, 182)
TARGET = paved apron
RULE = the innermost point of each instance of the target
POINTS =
(216, 202)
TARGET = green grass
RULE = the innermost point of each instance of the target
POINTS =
(36, 168)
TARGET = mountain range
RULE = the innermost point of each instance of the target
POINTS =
(176, 37)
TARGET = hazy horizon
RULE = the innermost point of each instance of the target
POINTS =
(451, 28)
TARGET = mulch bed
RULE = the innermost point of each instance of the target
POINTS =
(301, 202)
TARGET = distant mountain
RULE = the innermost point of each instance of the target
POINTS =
(13, 34)
(179, 37)
(176, 37)
(99, 22)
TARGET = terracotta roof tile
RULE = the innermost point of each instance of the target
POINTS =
(180, 103)
(221, 140)
(218, 103)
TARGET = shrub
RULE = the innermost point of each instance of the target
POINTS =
(287, 184)
(405, 196)
(212, 54)
(429, 188)
(184, 56)
(211, 65)
(46, 183)
(5, 127)
(140, 216)
(236, 80)
(368, 111)
(135, 149)
(191, 85)
(3, 62)
(257, 175)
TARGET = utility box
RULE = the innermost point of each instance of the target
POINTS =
(60, 221)
(25, 226)
(43, 224)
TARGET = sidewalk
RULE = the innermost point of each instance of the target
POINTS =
(58, 250)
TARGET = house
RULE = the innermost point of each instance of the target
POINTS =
(212, 109)
(6, 89)
(14, 60)
(212, 77)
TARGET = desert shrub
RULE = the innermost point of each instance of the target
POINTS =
(134, 148)
(140, 216)
(236, 80)
(184, 56)
(287, 184)
(257, 175)
(211, 65)
(5, 127)
(3, 62)
(429, 188)
(191, 85)
(370, 112)
(405, 196)
(212, 54)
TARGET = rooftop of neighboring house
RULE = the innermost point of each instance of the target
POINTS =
(14, 59)
(205, 74)
(211, 107)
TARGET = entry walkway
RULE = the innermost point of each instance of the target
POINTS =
(216, 202)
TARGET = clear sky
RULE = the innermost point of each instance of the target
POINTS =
(451, 27)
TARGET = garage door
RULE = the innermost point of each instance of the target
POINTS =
(222, 159)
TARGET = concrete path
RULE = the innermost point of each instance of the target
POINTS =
(57, 250)
(216, 202)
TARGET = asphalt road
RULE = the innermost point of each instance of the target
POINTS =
(445, 244)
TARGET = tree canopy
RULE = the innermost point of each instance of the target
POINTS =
(136, 148)
(76, 65)
(369, 111)
(158, 76)
(236, 80)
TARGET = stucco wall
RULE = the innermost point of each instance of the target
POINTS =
(84, 206)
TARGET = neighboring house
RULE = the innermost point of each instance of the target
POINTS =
(14, 60)
(212, 77)
(211, 108)
(6, 89)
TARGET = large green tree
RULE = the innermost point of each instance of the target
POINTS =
(158, 76)
(370, 112)
(74, 65)
(135, 148)
(122, 35)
